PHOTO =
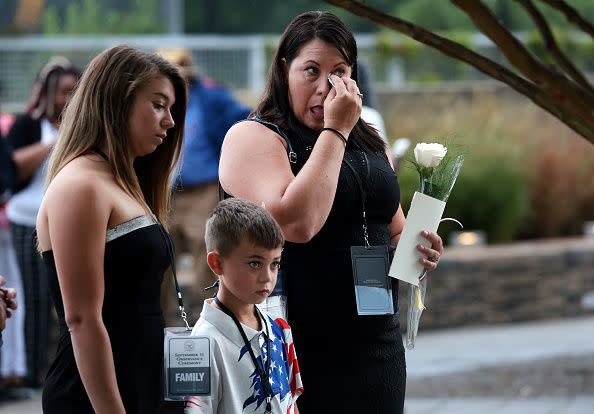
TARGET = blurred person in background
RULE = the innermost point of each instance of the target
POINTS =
(369, 112)
(212, 110)
(7, 304)
(373, 117)
(13, 366)
(31, 137)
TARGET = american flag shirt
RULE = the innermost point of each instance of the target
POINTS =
(236, 386)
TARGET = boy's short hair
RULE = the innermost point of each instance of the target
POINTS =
(234, 220)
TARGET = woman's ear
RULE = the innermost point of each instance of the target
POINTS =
(285, 69)
(215, 262)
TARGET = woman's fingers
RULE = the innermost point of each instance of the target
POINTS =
(433, 253)
(342, 107)
(435, 239)
(351, 86)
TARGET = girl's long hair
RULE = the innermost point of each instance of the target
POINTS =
(274, 105)
(97, 116)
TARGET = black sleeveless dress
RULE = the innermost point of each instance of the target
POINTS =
(135, 259)
(348, 363)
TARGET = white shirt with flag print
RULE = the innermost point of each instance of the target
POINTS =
(235, 384)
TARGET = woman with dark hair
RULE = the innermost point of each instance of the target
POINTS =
(31, 138)
(99, 230)
(317, 167)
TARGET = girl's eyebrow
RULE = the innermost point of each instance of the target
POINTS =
(162, 95)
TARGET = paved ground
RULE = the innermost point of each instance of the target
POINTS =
(534, 368)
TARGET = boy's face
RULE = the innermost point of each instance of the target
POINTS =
(248, 274)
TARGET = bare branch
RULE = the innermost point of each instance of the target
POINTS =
(553, 48)
(571, 15)
(557, 85)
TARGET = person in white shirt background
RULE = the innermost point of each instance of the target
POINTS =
(31, 137)
(371, 115)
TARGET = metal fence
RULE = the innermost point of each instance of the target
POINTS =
(238, 62)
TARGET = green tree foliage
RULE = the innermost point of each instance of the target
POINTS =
(433, 15)
(266, 16)
(270, 16)
(441, 15)
(92, 17)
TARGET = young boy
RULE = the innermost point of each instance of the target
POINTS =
(254, 368)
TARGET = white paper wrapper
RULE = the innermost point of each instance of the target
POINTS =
(424, 214)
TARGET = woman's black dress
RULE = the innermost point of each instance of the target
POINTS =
(348, 363)
(135, 260)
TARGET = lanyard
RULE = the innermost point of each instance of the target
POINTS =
(180, 301)
(363, 194)
(169, 244)
(263, 375)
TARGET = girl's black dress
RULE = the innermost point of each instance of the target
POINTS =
(135, 259)
(348, 363)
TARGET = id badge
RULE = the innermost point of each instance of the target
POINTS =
(373, 288)
(187, 364)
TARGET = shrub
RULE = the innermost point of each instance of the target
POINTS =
(489, 195)
(562, 195)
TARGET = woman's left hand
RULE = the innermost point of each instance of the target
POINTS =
(433, 253)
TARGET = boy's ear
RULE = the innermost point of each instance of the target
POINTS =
(215, 262)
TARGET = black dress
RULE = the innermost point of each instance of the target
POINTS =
(349, 363)
(135, 260)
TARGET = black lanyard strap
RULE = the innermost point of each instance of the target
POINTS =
(263, 375)
(363, 194)
(170, 252)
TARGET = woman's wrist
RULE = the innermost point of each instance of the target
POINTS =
(336, 132)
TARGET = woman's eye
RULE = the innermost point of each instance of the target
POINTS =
(339, 72)
(275, 265)
(158, 105)
(254, 265)
(311, 71)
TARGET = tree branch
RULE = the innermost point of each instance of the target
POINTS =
(557, 107)
(559, 87)
(444, 45)
(571, 15)
(553, 48)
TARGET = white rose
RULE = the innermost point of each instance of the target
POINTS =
(429, 155)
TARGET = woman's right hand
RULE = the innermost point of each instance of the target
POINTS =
(342, 107)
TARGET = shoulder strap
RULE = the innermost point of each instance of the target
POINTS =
(290, 151)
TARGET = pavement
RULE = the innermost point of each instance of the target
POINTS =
(464, 357)
(444, 358)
